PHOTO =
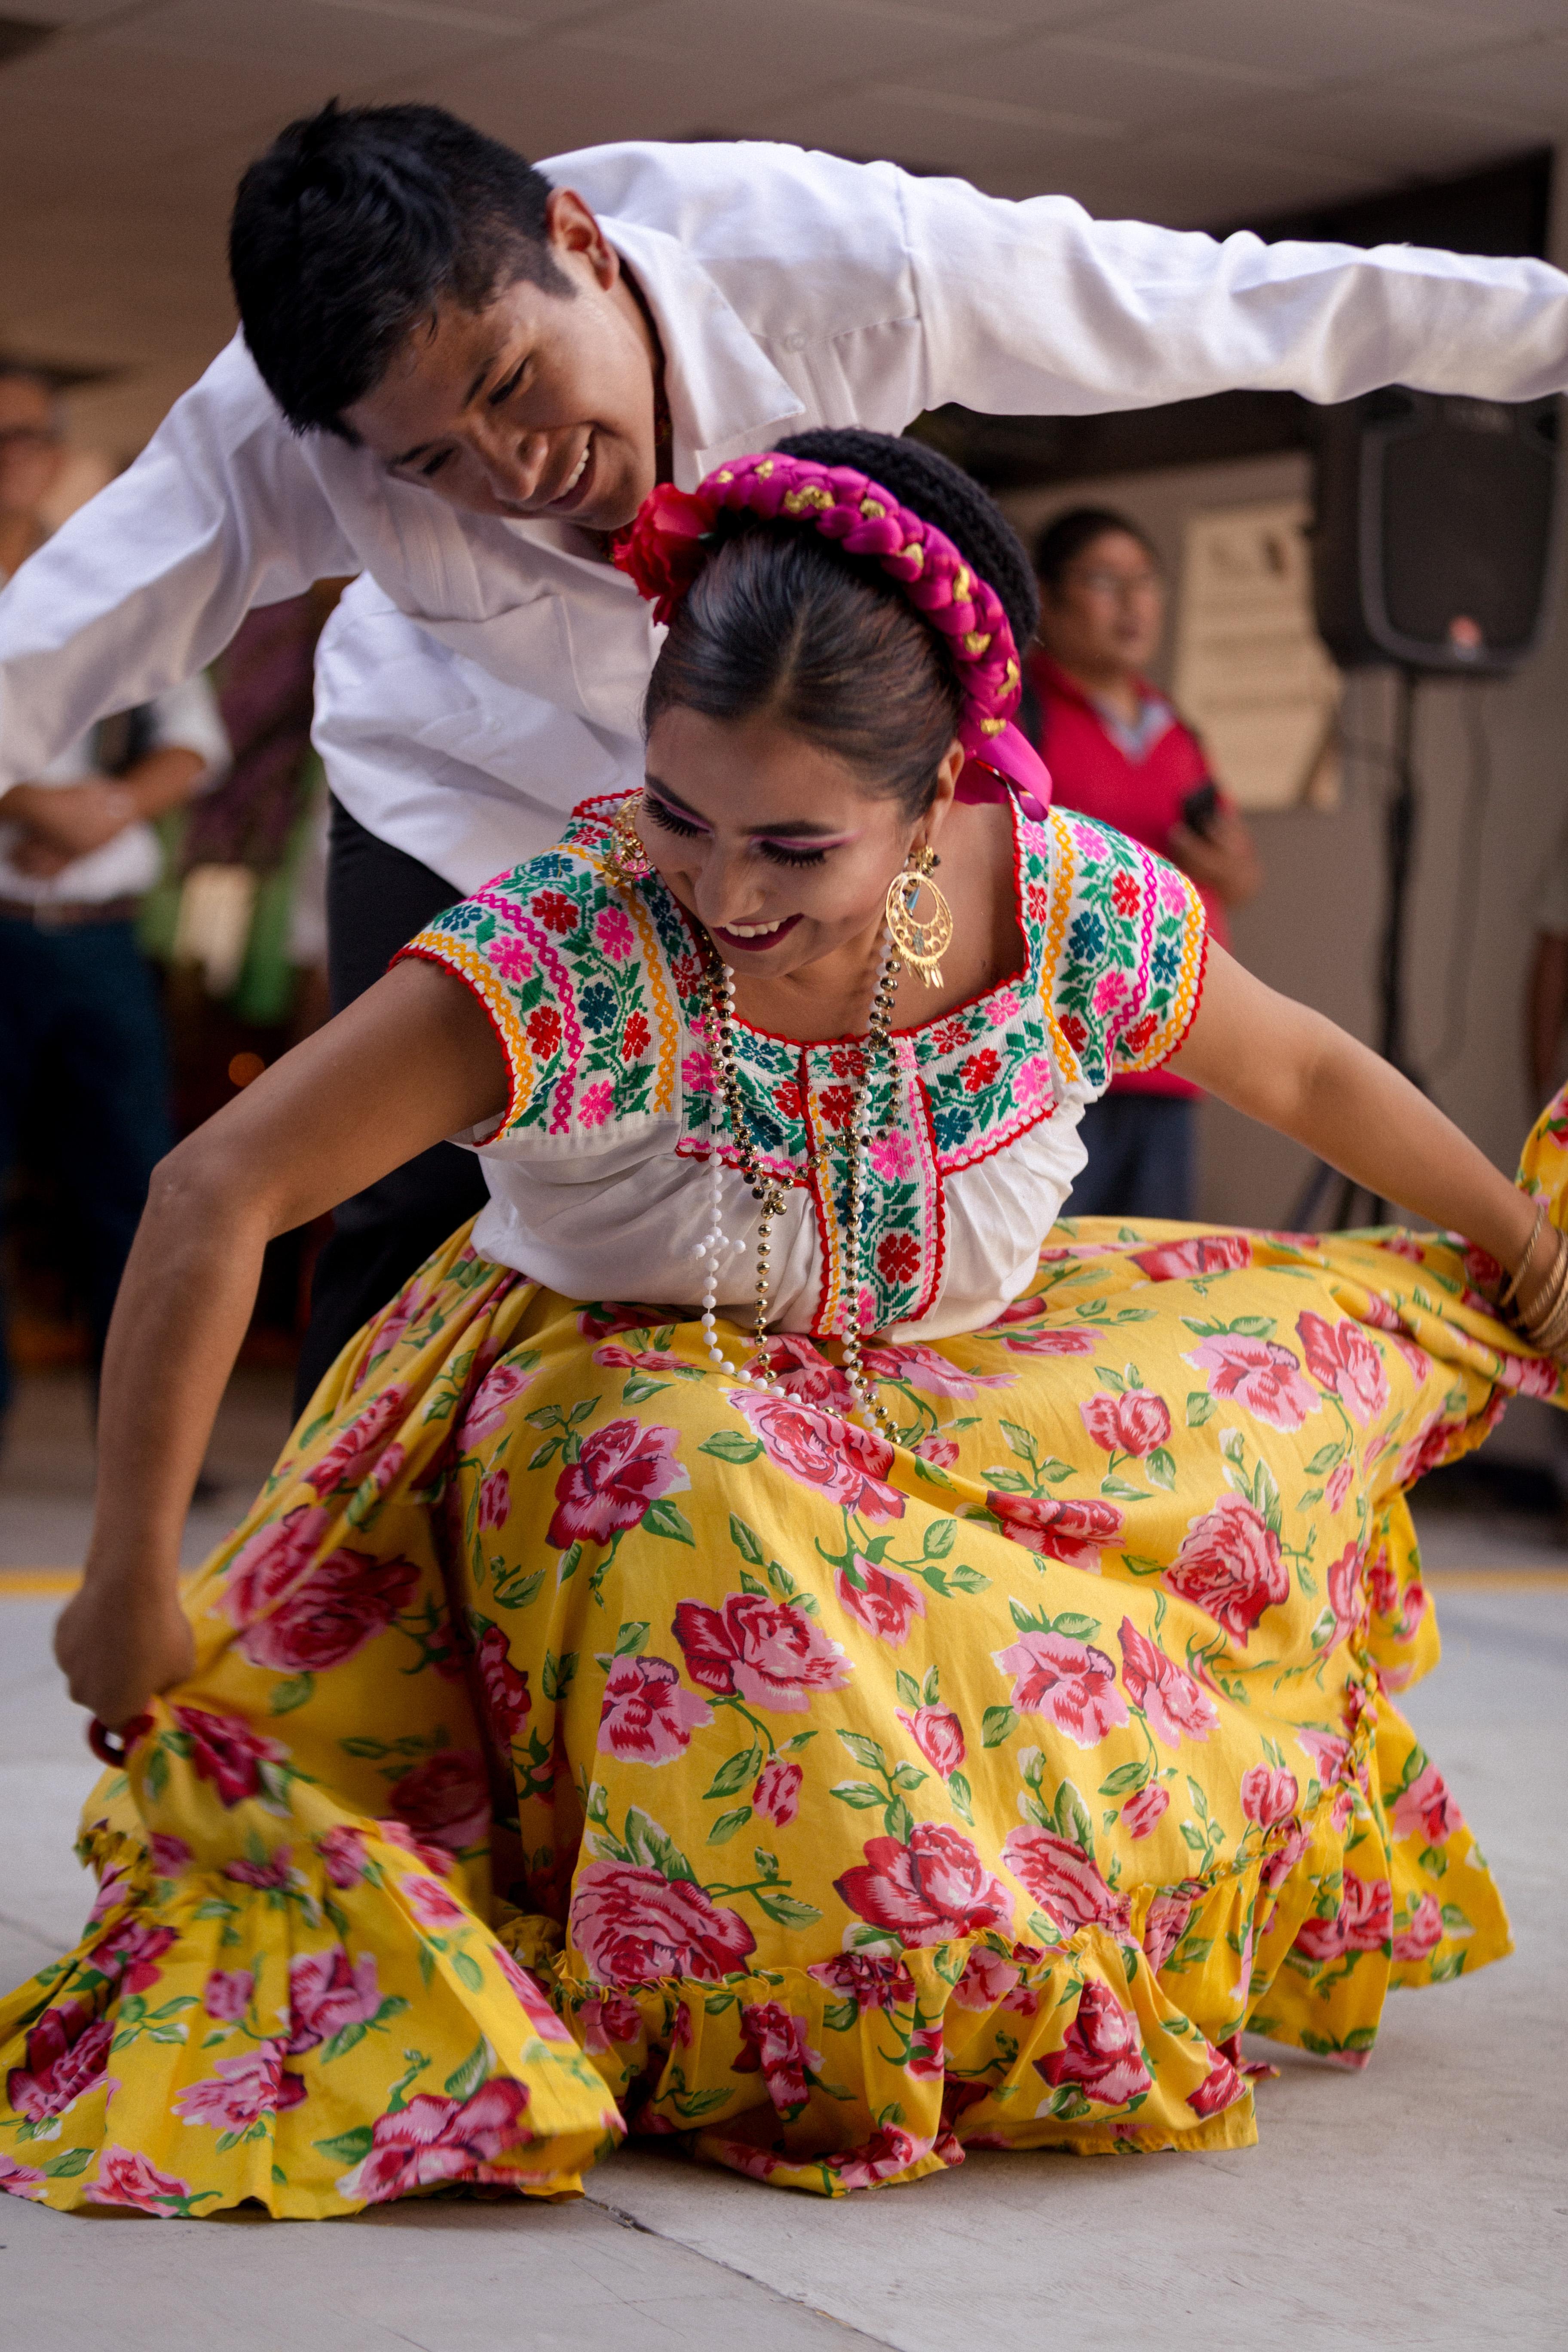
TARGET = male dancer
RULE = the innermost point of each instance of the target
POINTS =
(456, 373)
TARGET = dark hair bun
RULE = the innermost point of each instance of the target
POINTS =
(932, 486)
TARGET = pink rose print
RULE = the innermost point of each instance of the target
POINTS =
(776, 1794)
(1064, 1880)
(1101, 2053)
(1229, 1565)
(446, 1800)
(1134, 1423)
(352, 1450)
(495, 1499)
(131, 1952)
(504, 1688)
(1278, 1864)
(1143, 1813)
(869, 1980)
(885, 1602)
(432, 2139)
(769, 1652)
(617, 1359)
(432, 1857)
(341, 1606)
(239, 2091)
(1425, 1810)
(622, 1469)
(1344, 1587)
(939, 1734)
(1065, 1340)
(343, 1854)
(172, 1857)
(928, 1368)
(1174, 1706)
(1432, 1445)
(1201, 1254)
(432, 1905)
(268, 1564)
(1259, 1374)
(631, 1925)
(1220, 2088)
(1424, 1934)
(326, 1992)
(64, 2054)
(114, 1889)
(1066, 1682)
(1165, 1926)
(888, 2152)
(124, 2177)
(1342, 1358)
(848, 1465)
(942, 1453)
(225, 1751)
(531, 1994)
(614, 932)
(991, 1980)
(1363, 1923)
(1336, 1492)
(277, 1871)
(492, 1403)
(1269, 1796)
(607, 2017)
(21, 2179)
(225, 1996)
(924, 1892)
(1330, 1752)
(805, 1373)
(1070, 1531)
(645, 1716)
(774, 2042)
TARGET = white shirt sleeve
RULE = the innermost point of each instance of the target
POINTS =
(1035, 307)
(187, 718)
(147, 581)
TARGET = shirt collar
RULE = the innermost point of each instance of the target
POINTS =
(725, 397)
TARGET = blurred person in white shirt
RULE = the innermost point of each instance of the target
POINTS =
(77, 852)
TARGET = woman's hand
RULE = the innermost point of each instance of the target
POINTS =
(120, 1643)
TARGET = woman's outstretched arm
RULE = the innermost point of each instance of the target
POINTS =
(1287, 1065)
(411, 1061)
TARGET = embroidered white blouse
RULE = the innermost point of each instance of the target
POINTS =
(598, 1169)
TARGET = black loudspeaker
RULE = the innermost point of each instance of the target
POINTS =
(1433, 544)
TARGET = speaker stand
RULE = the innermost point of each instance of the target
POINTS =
(1399, 844)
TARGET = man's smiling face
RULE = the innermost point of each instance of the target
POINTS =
(541, 404)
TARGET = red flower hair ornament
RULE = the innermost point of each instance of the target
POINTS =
(670, 540)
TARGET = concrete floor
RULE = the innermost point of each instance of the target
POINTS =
(1421, 2203)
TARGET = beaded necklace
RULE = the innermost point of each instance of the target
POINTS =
(716, 1246)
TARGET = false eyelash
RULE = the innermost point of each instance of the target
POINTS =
(670, 821)
(781, 856)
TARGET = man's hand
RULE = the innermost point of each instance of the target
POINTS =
(1223, 860)
(119, 1644)
(66, 821)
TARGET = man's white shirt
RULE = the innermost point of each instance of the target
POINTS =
(483, 675)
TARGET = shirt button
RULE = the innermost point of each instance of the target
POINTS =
(795, 343)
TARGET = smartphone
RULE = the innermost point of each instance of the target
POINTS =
(1201, 806)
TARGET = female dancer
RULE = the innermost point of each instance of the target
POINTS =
(935, 1692)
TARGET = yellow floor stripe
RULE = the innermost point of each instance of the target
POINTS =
(33, 1583)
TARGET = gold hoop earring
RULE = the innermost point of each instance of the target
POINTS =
(625, 860)
(919, 944)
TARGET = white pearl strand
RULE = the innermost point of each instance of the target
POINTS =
(716, 1246)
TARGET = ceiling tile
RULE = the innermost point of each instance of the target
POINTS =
(1070, 75)
(1379, 127)
(1527, 84)
(1326, 40)
(326, 43)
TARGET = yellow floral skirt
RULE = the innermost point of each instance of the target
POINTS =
(582, 1744)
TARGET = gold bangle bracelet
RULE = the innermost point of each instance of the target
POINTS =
(1551, 1296)
(1510, 1294)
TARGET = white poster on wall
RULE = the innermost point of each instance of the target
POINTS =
(1252, 675)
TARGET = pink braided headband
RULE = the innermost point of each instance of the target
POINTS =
(667, 545)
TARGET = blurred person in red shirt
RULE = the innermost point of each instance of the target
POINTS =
(1116, 751)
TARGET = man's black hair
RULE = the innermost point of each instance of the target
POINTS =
(351, 229)
(1063, 541)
